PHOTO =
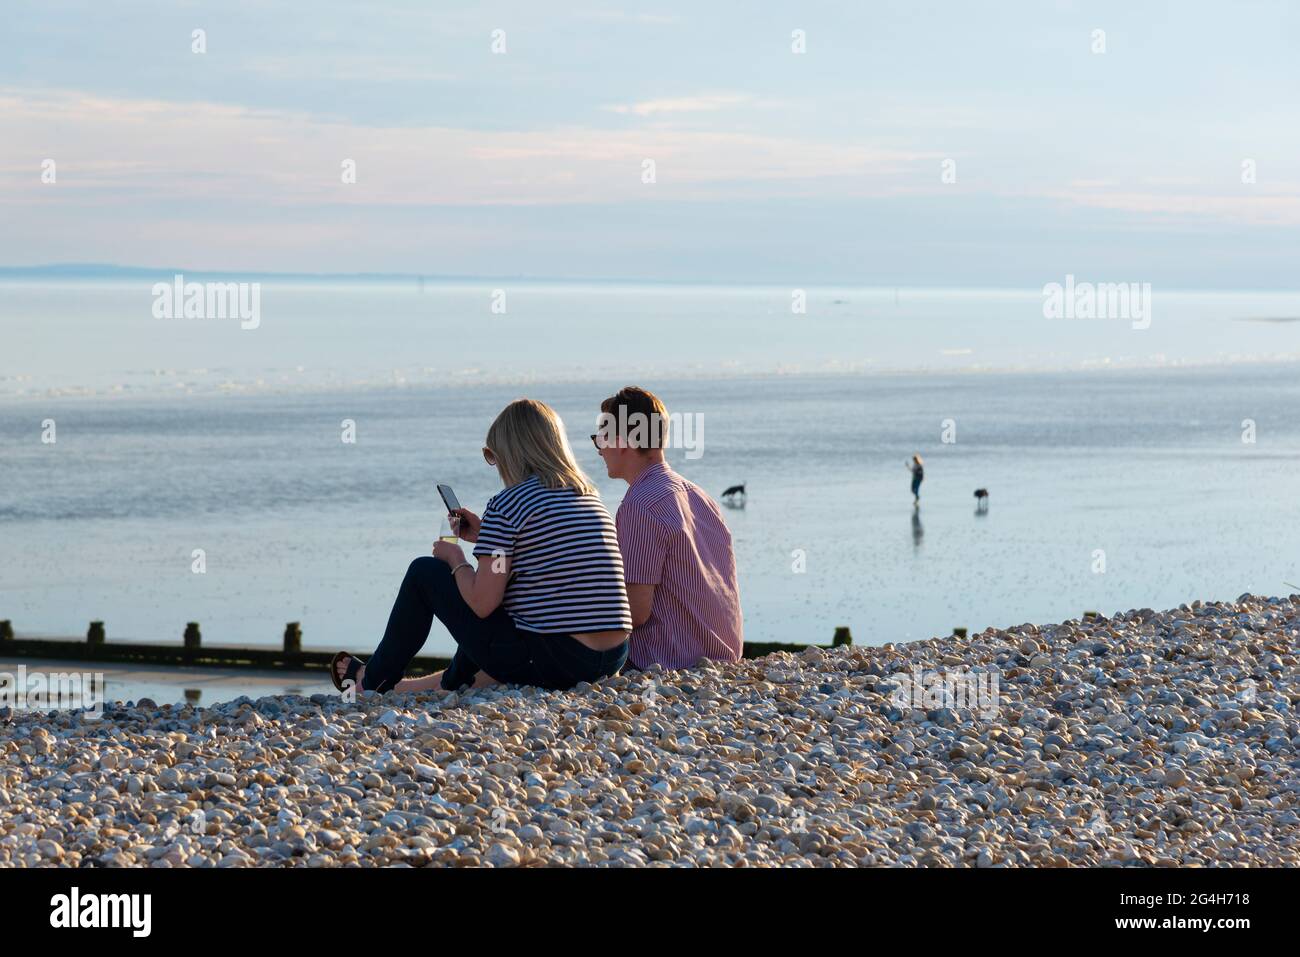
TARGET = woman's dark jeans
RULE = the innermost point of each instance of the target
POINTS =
(492, 644)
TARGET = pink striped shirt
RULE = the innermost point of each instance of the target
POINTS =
(672, 536)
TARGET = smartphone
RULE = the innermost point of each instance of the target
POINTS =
(451, 524)
(448, 498)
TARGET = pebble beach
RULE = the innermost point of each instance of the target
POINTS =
(1164, 738)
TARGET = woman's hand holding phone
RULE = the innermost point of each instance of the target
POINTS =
(468, 526)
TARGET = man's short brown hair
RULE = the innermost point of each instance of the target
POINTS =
(632, 404)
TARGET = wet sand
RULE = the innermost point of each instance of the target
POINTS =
(166, 684)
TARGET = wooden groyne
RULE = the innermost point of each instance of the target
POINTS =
(290, 656)
(190, 651)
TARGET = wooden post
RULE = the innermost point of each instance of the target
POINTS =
(959, 632)
(293, 638)
(95, 636)
(6, 630)
(842, 637)
(192, 636)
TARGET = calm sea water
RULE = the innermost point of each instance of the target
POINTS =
(101, 338)
(1114, 458)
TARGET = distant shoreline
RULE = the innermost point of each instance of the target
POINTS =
(100, 272)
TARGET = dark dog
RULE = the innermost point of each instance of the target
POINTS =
(734, 496)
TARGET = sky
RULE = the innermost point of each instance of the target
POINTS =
(917, 143)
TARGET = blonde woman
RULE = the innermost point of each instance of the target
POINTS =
(545, 605)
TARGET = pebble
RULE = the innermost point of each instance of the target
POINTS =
(1150, 737)
(502, 855)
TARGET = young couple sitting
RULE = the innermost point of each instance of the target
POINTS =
(558, 592)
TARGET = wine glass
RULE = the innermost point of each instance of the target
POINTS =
(447, 529)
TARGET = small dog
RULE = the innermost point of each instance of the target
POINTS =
(735, 495)
(982, 499)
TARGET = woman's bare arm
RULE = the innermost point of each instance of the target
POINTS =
(482, 588)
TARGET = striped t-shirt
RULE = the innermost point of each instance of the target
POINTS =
(566, 573)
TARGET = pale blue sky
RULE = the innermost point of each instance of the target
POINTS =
(771, 166)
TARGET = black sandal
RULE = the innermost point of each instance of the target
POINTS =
(349, 674)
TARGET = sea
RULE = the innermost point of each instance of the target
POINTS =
(158, 471)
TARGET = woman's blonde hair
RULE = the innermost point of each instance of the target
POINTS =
(528, 439)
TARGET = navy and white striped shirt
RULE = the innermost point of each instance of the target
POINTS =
(566, 572)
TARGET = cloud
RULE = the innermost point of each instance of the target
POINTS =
(619, 16)
(111, 151)
(684, 104)
(1278, 205)
(363, 68)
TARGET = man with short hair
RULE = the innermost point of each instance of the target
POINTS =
(677, 556)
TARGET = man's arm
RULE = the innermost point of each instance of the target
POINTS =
(643, 544)
(641, 598)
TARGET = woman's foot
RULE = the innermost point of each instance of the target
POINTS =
(343, 662)
(433, 682)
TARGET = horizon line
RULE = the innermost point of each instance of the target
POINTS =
(111, 270)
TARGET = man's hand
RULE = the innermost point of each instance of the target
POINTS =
(468, 526)
(449, 552)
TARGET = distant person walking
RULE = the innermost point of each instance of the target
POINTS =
(917, 468)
